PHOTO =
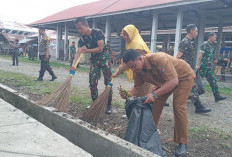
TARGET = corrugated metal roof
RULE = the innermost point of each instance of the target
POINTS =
(25, 41)
(12, 37)
(101, 7)
(11, 24)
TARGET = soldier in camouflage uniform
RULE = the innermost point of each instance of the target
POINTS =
(186, 52)
(92, 41)
(72, 52)
(205, 64)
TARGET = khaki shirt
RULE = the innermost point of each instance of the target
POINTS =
(161, 67)
(44, 44)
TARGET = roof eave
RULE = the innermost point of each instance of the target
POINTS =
(173, 4)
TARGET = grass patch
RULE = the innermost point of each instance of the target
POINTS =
(56, 64)
(226, 91)
(204, 131)
(225, 146)
(221, 133)
(198, 130)
(27, 82)
(24, 82)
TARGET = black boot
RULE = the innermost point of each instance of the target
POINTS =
(109, 109)
(39, 79)
(53, 78)
(181, 150)
(218, 97)
(109, 106)
(199, 108)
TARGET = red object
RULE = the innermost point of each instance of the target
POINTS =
(101, 7)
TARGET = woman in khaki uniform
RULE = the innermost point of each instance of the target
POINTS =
(134, 41)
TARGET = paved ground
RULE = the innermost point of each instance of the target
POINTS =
(220, 116)
(23, 136)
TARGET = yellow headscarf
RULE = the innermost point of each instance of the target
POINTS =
(137, 42)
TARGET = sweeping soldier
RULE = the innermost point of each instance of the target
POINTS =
(92, 41)
(186, 52)
(44, 55)
(205, 65)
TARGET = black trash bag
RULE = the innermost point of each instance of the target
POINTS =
(201, 88)
(141, 128)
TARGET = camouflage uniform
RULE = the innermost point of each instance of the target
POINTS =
(187, 49)
(206, 67)
(107, 50)
(29, 52)
(97, 62)
(72, 53)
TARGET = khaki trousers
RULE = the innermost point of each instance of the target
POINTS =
(180, 96)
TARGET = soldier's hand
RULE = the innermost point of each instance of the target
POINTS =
(114, 75)
(226, 59)
(84, 49)
(73, 68)
(46, 57)
(150, 98)
(215, 61)
(197, 67)
(227, 68)
(79, 50)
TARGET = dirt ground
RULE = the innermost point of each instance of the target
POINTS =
(209, 134)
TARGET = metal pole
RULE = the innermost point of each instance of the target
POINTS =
(66, 41)
(178, 30)
(94, 23)
(107, 29)
(201, 35)
(154, 31)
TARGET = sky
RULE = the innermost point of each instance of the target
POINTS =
(28, 11)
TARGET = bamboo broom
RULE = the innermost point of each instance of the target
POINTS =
(60, 97)
(98, 107)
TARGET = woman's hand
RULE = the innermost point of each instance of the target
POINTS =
(123, 94)
(197, 67)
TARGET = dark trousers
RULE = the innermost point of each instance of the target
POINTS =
(223, 72)
(45, 66)
(30, 55)
(15, 56)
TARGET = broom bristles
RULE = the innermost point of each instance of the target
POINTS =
(98, 106)
(60, 97)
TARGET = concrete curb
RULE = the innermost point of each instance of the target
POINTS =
(93, 140)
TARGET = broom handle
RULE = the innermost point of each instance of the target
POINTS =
(112, 80)
(78, 60)
(72, 72)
